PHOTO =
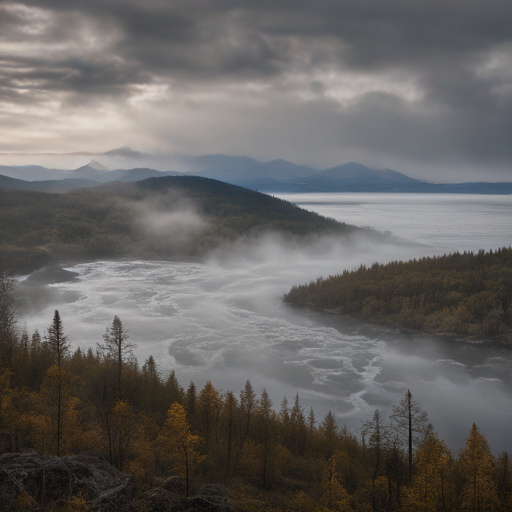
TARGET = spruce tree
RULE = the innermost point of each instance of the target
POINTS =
(59, 347)
(117, 348)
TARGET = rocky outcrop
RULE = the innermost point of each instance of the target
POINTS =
(210, 498)
(53, 480)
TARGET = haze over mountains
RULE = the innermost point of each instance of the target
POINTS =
(275, 176)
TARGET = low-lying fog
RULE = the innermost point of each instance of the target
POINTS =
(224, 320)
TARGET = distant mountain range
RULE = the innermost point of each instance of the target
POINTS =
(277, 176)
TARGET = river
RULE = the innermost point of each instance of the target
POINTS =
(224, 319)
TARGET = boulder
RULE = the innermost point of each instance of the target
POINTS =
(49, 480)
(175, 485)
(210, 498)
(159, 500)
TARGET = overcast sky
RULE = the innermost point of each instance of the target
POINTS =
(421, 86)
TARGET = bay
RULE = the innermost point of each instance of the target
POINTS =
(224, 319)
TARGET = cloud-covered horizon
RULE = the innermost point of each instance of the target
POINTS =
(423, 87)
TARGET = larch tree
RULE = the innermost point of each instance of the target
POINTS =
(431, 487)
(334, 497)
(178, 444)
(478, 469)
(229, 417)
(265, 435)
(329, 432)
(191, 404)
(298, 429)
(117, 348)
(503, 480)
(248, 404)
(125, 430)
(208, 412)
(410, 422)
(174, 390)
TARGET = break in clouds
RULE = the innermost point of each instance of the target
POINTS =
(423, 87)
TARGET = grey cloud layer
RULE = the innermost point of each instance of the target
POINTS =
(438, 85)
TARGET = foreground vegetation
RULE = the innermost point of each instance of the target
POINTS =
(170, 217)
(61, 402)
(467, 294)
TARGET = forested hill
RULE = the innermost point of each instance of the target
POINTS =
(168, 217)
(467, 295)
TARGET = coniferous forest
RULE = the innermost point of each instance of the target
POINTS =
(117, 220)
(466, 295)
(272, 457)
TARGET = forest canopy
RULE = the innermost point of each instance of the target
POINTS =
(468, 294)
(179, 217)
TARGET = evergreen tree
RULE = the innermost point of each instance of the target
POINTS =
(8, 338)
(191, 404)
(208, 411)
(117, 348)
(230, 410)
(329, 431)
(265, 435)
(478, 470)
(375, 436)
(174, 390)
(410, 422)
(59, 347)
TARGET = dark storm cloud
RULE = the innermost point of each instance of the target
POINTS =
(453, 54)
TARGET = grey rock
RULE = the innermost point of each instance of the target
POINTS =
(50, 480)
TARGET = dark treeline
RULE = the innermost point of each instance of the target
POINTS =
(118, 220)
(58, 401)
(467, 294)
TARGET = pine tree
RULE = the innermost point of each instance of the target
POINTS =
(208, 411)
(8, 338)
(410, 422)
(117, 348)
(297, 428)
(174, 390)
(375, 436)
(191, 404)
(329, 430)
(230, 410)
(265, 435)
(59, 347)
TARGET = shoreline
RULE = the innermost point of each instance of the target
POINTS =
(370, 329)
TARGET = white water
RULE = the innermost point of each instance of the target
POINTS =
(224, 320)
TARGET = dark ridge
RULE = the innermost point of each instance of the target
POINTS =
(107, 221)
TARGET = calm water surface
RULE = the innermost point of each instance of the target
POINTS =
(447, 221)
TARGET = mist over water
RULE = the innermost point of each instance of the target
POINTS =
(224, 320)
